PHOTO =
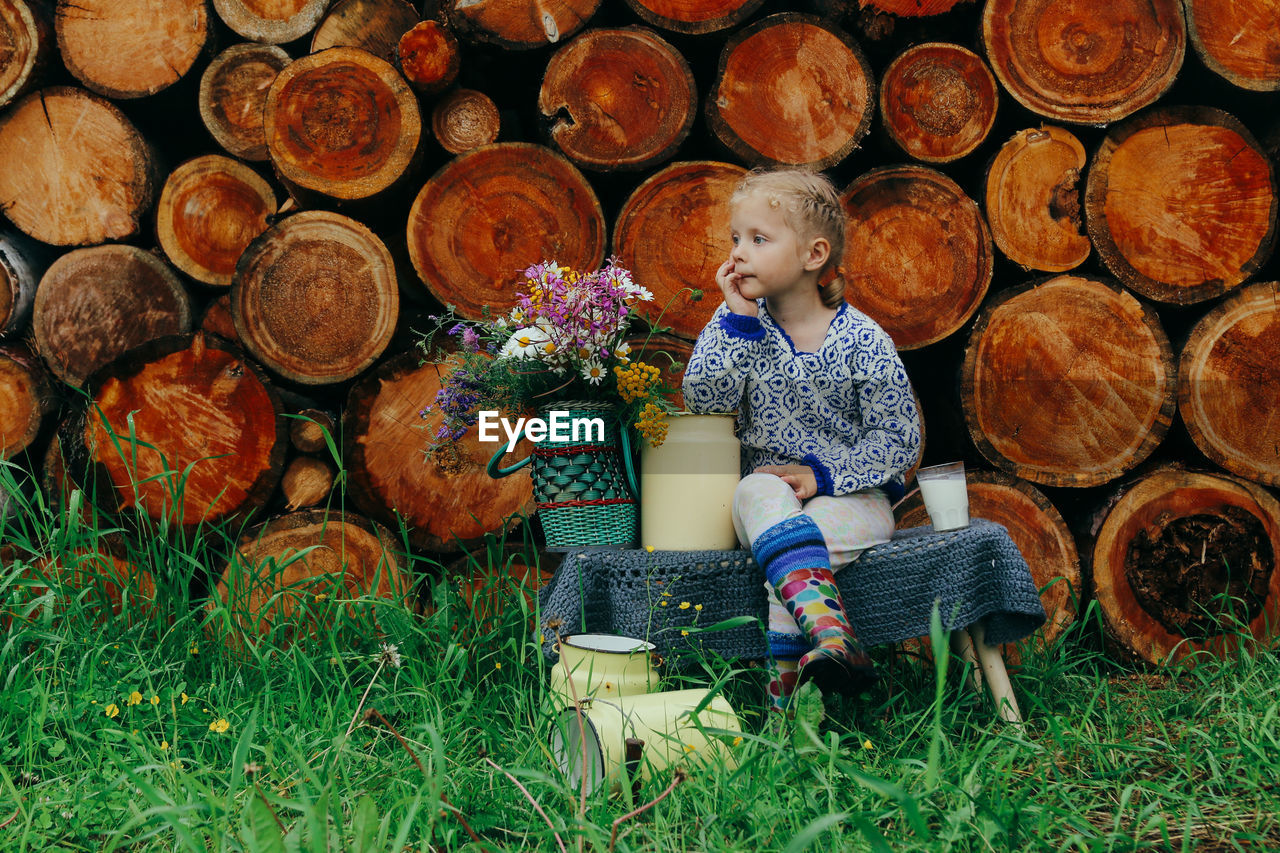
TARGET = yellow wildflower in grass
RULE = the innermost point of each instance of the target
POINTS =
(683, 632)
(664, 592)
(195, 648)
(662, 603)
(112, 710)
(135, 698)
(684, 605)
(866, 744)
(497, 666)
(697, 607)
(737, 741)
(185, 698)
(219, 725)
(649, 548)
(155, 700)
(688, 747)
(164, 744)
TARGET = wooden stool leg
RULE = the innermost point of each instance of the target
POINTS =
(962, 648)
(996, 675)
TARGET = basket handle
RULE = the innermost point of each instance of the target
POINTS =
(626, 460)
(495, 470)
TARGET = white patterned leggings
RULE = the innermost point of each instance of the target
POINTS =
(849, 523)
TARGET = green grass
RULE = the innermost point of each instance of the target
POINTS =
(328, 745)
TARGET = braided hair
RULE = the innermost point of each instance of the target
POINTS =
(811, 207)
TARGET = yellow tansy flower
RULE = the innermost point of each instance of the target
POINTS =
(219, 726)
(112, 710)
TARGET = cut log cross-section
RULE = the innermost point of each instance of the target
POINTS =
(695, 17)
(314, 297)
(918, 256)
(26, 397)
(618, 99)
(233, 92)
(792, 89)
(938, 101)
(371, 25)
(22, 263)
(1035, 526)
(286, 574)
(429, 57)
(306, 482)
(130, 48)
(1238, 39)
(210, 209)
(308, 430)
(1181, 203)
(341, 122)
(73, 170)
(95, 304)
(445, 501)
(1228, 376)
(465, 119)
(1186, 561)
(271, 21)
(1067, 382)
(481, 220)
(210, 443)
(673, 233)
(519, 24)
(1085, 63)
(26, 42)
(1033, 200)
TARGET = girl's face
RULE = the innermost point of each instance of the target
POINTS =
(770, 257)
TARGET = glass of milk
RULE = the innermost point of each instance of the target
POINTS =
(945, 497)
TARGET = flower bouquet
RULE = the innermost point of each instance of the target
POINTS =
(560, 352)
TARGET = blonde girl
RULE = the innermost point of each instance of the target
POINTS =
(827, 419)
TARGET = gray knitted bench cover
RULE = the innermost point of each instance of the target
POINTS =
(975, 574)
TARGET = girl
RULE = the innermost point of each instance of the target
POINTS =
(827, 419)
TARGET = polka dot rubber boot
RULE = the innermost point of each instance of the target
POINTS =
(783, 675)
(837, 661)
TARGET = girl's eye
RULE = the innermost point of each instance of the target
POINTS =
(759, 239)
(735, 239)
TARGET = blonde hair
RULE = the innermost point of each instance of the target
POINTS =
(810, 207)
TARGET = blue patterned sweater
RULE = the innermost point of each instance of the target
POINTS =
(846, 411)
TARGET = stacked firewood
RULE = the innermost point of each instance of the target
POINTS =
(226, 219)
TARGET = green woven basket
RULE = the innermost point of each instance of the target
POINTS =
(585, 490)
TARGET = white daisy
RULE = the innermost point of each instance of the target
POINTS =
(593, 371)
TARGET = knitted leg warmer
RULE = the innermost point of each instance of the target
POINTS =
(793, 555)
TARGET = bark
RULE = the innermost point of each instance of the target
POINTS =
(26, 399)
(28, 38)
(938, 101)
(95, 304)
(73, 170)
(233, 92)
(1238, 39)
(374, 26)
(446, 503)
(918, 258)
(1086, 63)
(314, 298)
(282, 583)
(1039, 531)
(695, 17)
(1228, 376)
(465, 119)
(209, 439)
(130, 48)
(430, 58)
(1181, 203)
(792, 89)
(618, 99)
(342, 123)
(519, 24)
(271, 21)
(1067, 381)
(1033, 201)
(1185, 561)
(210, 209)
(22, 263)
(673, 233)
(481, 220)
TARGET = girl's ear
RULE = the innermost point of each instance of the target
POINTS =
(819, 253)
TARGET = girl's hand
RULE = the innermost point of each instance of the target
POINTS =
(799, 477)
(728, 281)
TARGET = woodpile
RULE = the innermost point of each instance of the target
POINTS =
(225, 220)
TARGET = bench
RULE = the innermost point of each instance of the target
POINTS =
(985, 594)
